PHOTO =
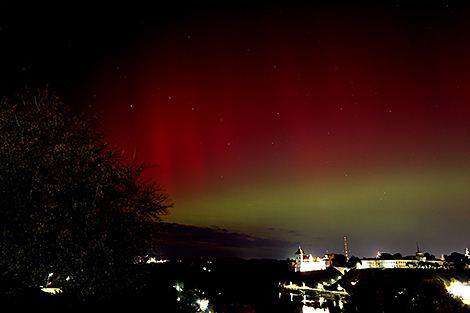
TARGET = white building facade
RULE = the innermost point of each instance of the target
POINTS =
(306, 262)
(419, 260)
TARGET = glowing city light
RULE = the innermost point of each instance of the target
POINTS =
(203, 304)
(309, 309)
(460, 290)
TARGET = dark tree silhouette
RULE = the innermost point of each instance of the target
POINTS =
(386, 256)
(456, 260)
(429, 256)
(339, 260)
(70, 203)
(354, 261)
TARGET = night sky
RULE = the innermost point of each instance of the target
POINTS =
(273, 124)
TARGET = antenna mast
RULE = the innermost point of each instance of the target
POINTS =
(346, 248)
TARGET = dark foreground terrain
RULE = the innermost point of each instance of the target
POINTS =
(403, 290)
(237, 285)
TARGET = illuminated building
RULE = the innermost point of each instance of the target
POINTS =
(307, 263)
(418, 260)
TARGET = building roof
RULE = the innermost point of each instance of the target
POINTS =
(300, 251)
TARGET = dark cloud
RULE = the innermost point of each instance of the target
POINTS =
(187, 241)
